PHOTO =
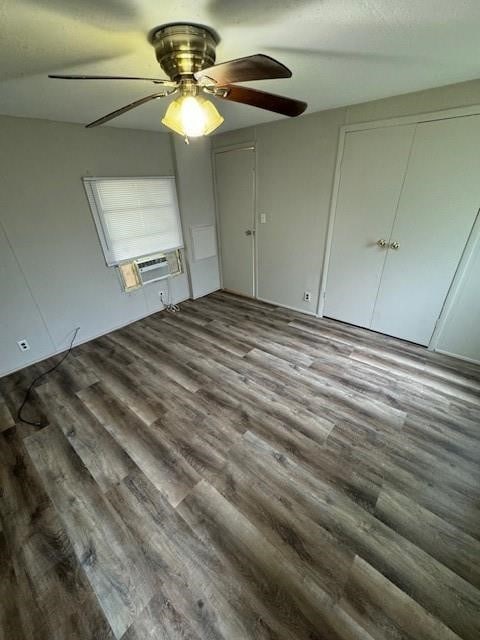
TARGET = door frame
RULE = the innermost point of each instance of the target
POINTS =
(242, 146)
(444, 114)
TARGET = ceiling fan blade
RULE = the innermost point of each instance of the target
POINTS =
(256, 67)
(264, 100)
(128, 107)
(166, 83)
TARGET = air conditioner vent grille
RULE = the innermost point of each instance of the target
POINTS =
(148, 263)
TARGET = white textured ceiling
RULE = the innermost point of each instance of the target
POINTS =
(340, 51)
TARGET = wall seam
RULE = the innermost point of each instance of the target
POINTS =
(24, 276)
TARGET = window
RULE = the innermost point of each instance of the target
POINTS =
(134, 216)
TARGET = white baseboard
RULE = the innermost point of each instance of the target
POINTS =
(458, 356)
(136, 319)
(205, 293)
(87, 339)
(286, 306)
(311, 313)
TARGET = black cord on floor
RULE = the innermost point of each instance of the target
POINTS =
(43, 375)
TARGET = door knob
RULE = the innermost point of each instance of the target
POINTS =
(248, 232)
(381, 242)
(394, 245)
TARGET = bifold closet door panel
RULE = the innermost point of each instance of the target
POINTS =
(372, 172)
(436, 212)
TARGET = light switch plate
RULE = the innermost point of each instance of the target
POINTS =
(263, 218)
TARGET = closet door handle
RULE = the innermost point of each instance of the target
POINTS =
(394, 245)
(382, 242)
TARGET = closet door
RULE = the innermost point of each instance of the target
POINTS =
(373, 168)
(437, 208)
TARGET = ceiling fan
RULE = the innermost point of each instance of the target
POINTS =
(186, 53)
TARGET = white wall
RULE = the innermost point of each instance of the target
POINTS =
(460, 334)
(294, 180)
(296, 162)
(53, 274)
(197, 204)
(295, 168)
(19, 315)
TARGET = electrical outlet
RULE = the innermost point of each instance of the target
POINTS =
(23, 345)
(307, 296)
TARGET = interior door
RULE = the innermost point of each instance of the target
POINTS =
(235, 193)
(372, 172)
(437, 208)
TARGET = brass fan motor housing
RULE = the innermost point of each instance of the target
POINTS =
(183, 49)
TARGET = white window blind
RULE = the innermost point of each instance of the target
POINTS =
(135, 216)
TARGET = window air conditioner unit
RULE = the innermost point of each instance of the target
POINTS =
(151, 268)
(159, 266)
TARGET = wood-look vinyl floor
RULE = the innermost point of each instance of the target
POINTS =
(238, 471)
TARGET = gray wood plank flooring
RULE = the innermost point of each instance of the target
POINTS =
(239, 471)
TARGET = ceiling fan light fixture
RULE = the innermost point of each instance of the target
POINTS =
(186, 53)
(192, 116)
